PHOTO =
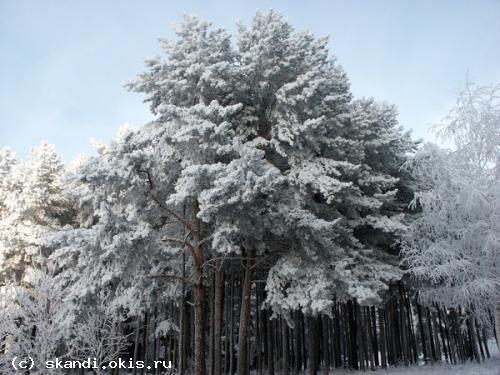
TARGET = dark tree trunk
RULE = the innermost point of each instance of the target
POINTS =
(422, 332)
(312, 365)
(218, 309)
(199, 327)
(199, 296)
(245, 315)
(285, 347)
(382, 342)
(325, 351)
(270, 346)
(145, 341)
(136, 343)
(297, 355)
(353, 357)
(182, 320)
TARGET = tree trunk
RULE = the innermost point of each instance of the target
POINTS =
(270, 347)
(218, 309)
(211, 303)
(443, 338)
(382, 342)
(326, 354)
(258, 330)
(136, 343)
(285, 346)
(337, 335)
(145, 341)
(422, 331)
(353, 350)
(431, 335)
(199, 296)
(231, 327)
(199, 328)
(497, 323)
(245, 315)
(182, 321)
(312, 364)
(473, 338)
(296, 347)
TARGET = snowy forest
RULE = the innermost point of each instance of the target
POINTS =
(265, 222)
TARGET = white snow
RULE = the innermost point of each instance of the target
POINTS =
(488, 367)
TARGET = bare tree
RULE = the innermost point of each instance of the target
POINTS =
(98, 335)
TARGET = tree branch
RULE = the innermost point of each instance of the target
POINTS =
(161, 203)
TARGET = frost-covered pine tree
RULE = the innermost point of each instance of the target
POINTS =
(182, 151)
(115, 242)
(256, 150)
(7, 162)
(452, 248)
(340, 158)
(33, 204)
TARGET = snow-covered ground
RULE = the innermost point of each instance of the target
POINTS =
(488, 367)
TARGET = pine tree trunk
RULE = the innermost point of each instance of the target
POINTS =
(353, 350)
(270, 347)
(497, 324)
(337, 336)
(443, 338)
(373, 319)
(382, 342)
(199, 296)
(136, 343)
(245, 315)
(258, 330)
(449, 339)
(360, 334)
(145, 341)
(231, 327)
(480, 343)
(485, 343)
(285, 347)
(369, 342)
(422, 331)
(199, 329)
(211, 303)
(473, 338)
(436, 336)
(326, 354)
(182, 321)
(218, 309)
(312, 365)
(431, 336)
(298, 358)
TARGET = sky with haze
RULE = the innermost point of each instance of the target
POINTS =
(63, 64)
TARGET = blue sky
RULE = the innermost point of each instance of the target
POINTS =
(63, 63)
